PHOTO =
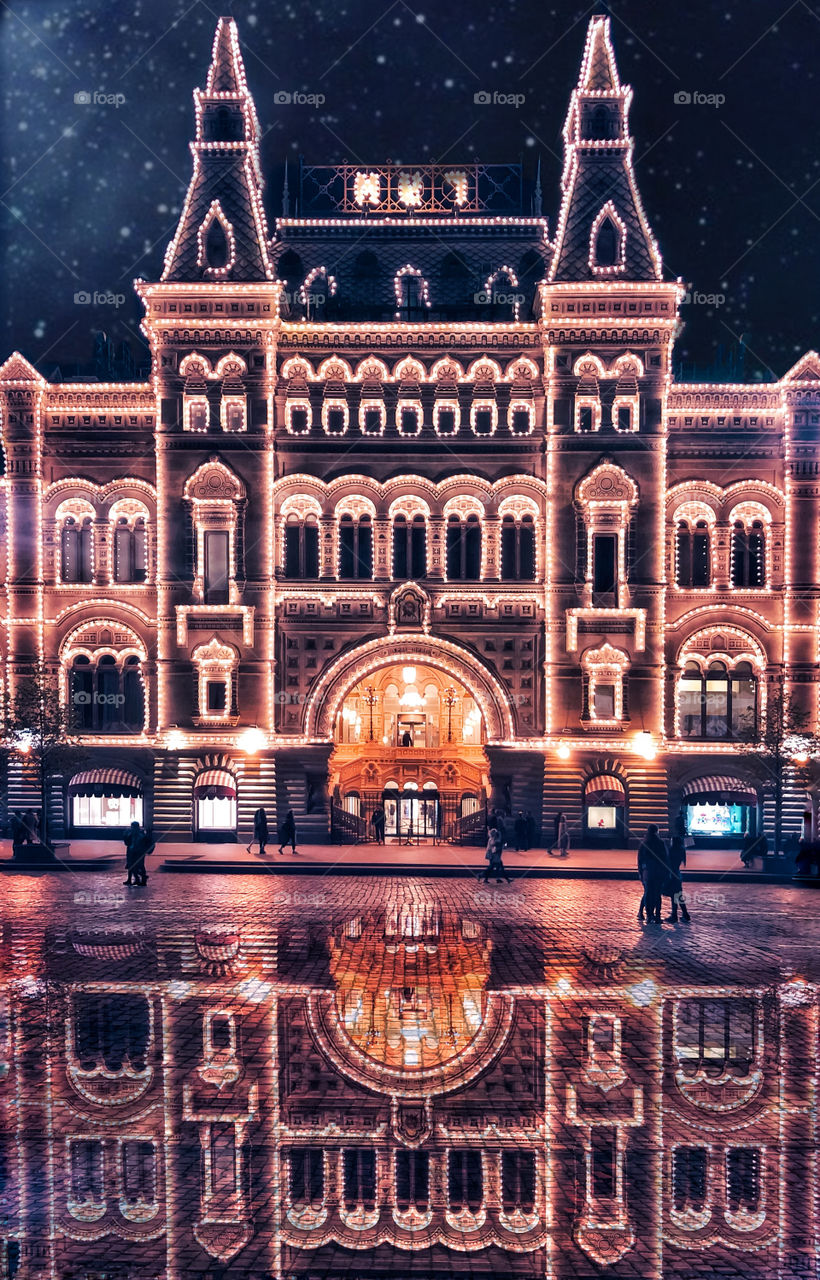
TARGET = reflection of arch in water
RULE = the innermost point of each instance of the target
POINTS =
(433, 1025)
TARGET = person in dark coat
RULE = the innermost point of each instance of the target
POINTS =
(31, 827)
(556, 831)
(145, 845)
(407, 738)
(132, 840)
(260, 830)
(18, 833)
(377, 821)
(522, 831)
(287, 832)
(677, 859)
(653, 870)
(563, 836)
(495, 849)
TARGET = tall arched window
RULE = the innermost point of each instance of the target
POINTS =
(409, 547)
(76, 549)
(106, 694)
(606, 244)
(463, 549)
(129, 550)
(302, 547)
(748, 554)
(518, 549)
(355, 547)
(693, 554)
(717, 703)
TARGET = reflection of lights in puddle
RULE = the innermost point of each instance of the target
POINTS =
(411, 1057)
(563, 986)
(255, 991)
(643, 993)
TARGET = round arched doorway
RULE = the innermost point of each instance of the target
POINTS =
(409, 739)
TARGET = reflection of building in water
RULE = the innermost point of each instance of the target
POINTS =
(218, 1102)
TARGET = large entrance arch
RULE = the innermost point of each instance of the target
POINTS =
(409, 719)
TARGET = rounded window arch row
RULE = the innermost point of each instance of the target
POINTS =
(720, 691)
(463, 529)
(729, 536)
(387, 398)
(101, 532)
(103, 677)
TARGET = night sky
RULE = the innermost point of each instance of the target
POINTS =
(91, 193)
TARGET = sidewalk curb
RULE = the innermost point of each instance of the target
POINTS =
(183, 866)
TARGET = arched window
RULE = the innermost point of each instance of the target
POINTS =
(76, 549)
(355, 547)
(463, 549)
(518, 549)
(129, 550)
(693, 556)
(409, 548)
(106, 695)
(216, 248)
(302, 547)
(748, 554)
(716, 703)
(606, 251)
(600, 124)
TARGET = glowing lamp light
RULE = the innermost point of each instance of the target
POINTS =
(252, 741)
(563, 986)
(563, 752)
(175, 741)
(411, 697)
(24, 742)
(644, 745)
(408, 675)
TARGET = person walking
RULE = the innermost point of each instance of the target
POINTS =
(31, 827)
(18, 833)
(132, 839)
(677, 859)
(555, 832)
(493, 855)
(260, 830)
(377, 821)
(145, 846)
(563, 836)
(287, 832)
(653, 870)
(521, 829)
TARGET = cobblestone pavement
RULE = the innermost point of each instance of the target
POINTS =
(227, 1077)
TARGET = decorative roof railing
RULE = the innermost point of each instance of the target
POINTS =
(397, 188)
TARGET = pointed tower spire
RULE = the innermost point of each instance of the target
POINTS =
(537, 198)
(222, 232)
(285, 193)
(602, 229)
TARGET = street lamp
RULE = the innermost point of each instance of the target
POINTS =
(450, 697)
(252, 741)
(370, 698)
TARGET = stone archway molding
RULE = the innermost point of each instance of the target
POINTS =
(412, 648)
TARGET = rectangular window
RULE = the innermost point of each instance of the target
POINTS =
(483, 422)
(465, 1180)
(299, 421)
(217, 700)
(138, 1170)
(743, 1179)
(604, 1156)
(409, 424)
(604, 563)
(412, 1179)
(521, 422)
(624, 421)
(223, 1159)
(518, 1180)
(360, 1178)
(689, 1178)
(605, 701)
(307, 1176)
(86, 1170)
(372, 422)
(217, 566)
(446, 422)
(335, 420)
(586, 420)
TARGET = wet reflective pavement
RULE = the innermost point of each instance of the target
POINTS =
(245, 1077)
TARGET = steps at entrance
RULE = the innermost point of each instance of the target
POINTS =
(291, 793)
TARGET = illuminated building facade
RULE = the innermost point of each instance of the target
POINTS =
(412, 511)
(405, 1090)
